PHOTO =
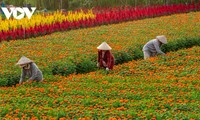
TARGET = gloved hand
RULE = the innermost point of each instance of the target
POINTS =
(107, 69)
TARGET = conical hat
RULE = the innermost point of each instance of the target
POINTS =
(162, 39)
(24, 60)
(104, 46)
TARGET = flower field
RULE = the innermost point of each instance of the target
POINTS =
(42, 19)
(163, 87)
(159, 88)
(40, 25)
(75, 45)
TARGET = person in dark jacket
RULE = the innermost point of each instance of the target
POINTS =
(30, 70)
(105, 57)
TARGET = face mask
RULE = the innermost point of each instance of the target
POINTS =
(27, 66)
(21, 66)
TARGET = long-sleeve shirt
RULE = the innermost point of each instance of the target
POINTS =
(33, 73)
(153, 46)
(107, 59)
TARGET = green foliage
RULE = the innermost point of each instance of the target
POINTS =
(117, 104)
(3, 81)
(138, 53)
(122, 57)
(82, 66)
(180, 44)
(171, 46)
(85, 65)
(63, 68)
(131, 54)
(9, 79)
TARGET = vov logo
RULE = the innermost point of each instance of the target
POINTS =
(14, 11)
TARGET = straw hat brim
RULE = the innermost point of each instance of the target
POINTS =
(24, 60)
(24, 63)
(104, 46)
(162, 39)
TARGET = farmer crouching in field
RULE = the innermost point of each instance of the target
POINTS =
(152, 48)
(105, 57)
(30, 70)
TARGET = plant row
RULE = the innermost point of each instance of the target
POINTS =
(85, 65)
(108, 16)
(89, 64)
(159, 88)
